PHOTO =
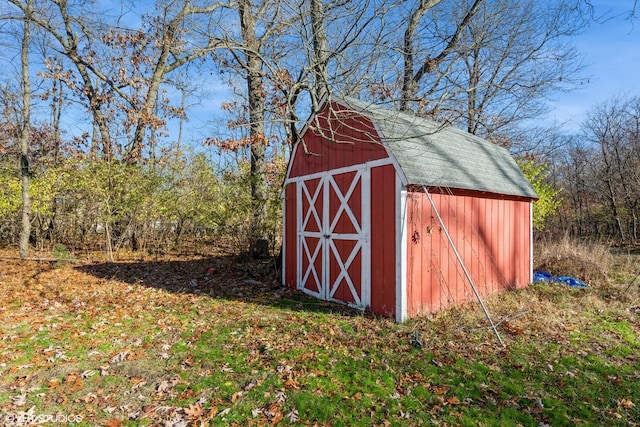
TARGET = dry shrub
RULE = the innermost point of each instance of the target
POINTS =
(543, 312)
(592, 263)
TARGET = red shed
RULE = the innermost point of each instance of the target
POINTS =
(398, 214)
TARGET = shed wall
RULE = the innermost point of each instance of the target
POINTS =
(384, 251)
(348, 139)
(381, 238)
(491, 234)
(352, 141)
(290, 241)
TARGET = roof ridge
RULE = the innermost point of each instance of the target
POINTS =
(435, 154)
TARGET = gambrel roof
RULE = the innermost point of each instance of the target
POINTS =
(437, 155)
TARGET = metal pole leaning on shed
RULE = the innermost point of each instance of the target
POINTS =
(464, 268)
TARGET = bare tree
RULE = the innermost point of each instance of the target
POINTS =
(252, 64)
(514, 54)
(70, 27)
(17, 112)
(488, 65)
(167, 46)
(346, 63)
(248, 57)
(320, 53)
(24, 135)
(122, 70)
(613, 128)
(415, 71)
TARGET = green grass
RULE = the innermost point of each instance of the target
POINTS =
(142, 354)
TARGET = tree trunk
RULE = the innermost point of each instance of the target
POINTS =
(613, 204)
(255, 88)
(69, 43)
(409, 83)
(151, 97)
(320, 52)
(25, 231)
(411, 76)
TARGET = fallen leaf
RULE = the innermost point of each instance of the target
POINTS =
(291, 384)
(194, 411)
(274, 417)
(512, 329)
(614, 379)
(236, 395)
(90, 397)
(120, 357)
(163, 387)
(138, 382)
(176, 420)
(626, 403)
(88, 373)
(250, 385)
(293, 416)
(224, 412)
(453, 400)
(20, 400)
(440, 390)
(74, 381)
(284, 369)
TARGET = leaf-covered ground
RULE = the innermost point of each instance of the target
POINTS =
(217, 341)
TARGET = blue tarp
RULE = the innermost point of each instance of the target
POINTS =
(543, 276)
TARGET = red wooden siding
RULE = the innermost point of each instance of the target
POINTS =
(383, 240)
(353, 141)
(379, 199)
(290, 234)
(492, 236)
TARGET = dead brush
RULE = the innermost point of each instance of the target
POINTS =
(607, 270)
(548, 311)
(592, 263)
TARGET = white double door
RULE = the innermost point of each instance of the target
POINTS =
(333, 236)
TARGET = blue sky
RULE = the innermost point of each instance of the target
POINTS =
(610, 48)
(611, 52)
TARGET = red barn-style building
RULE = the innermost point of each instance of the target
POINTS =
(382, 209)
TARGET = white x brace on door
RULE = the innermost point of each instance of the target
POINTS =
(333, 224)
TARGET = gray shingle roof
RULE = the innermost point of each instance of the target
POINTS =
(444, 156)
